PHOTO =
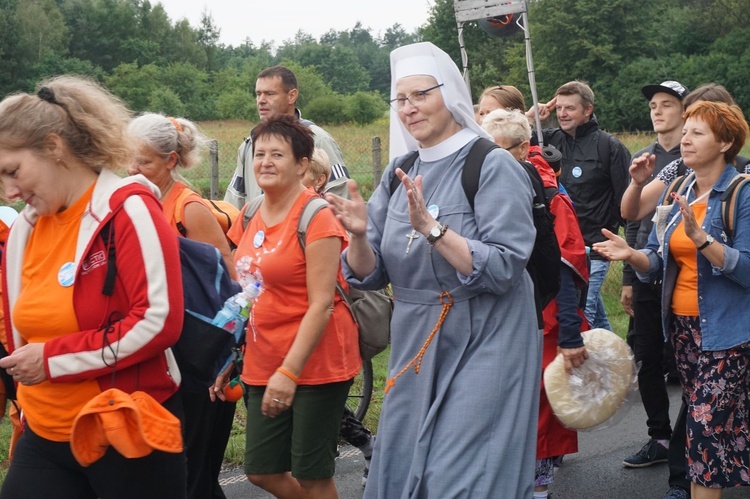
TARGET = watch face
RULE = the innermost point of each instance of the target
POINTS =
(710, 238)
(435, 231)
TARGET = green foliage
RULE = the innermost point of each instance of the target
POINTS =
(310, 82)
(142, 55)
(237, 104)
(344, 72)
(364, 108)
(326, 110)
(164, 100)
(134, 84)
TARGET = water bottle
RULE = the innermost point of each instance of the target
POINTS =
(236, 309)
(235, 313)
(226, 318)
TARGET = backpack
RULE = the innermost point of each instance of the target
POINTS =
(202, 348)
(544, 264)
(371, 310)
(223, 211)
(728, 199)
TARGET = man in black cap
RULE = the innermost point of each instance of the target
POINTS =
(642, 301)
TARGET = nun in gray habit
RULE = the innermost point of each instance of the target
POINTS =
(459, 418)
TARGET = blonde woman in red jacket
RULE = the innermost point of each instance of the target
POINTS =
(69, 341)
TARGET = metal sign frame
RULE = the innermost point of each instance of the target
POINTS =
(473, 10)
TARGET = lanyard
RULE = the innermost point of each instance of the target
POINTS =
(696, 200)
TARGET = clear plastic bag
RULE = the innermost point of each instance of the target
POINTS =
(600, 392)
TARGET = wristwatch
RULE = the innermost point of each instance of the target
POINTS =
(436, 233)
(709, 240)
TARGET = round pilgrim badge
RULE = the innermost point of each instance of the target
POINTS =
(577, 172)
(260, 236)
(433, 210)
(66, 275)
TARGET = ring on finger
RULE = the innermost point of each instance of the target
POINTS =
(279, 401)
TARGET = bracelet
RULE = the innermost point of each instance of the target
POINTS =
(288, 374)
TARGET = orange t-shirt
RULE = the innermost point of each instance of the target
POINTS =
(685, 295)
(172, 211)
(278, 311)
(44, 310)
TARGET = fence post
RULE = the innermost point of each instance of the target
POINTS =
(377, 163)
(213, 148)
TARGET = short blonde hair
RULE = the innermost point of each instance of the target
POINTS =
(89, 119)
(320, 164)
(511, 124)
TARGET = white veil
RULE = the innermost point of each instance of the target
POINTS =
(426, 59)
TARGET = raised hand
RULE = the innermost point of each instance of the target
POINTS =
(420, 219)
(692, 228)
(352, 213)
(642, 168)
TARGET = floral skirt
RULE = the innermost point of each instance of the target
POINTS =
(544, 474)
(715, 385)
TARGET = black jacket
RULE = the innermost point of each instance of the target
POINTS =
(594, 172)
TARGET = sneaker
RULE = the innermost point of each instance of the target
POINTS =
(367, 471)
(677, 493)
(651, 453)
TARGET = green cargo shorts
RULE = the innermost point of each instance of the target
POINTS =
(303, 439)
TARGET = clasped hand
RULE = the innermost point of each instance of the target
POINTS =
(26, 364)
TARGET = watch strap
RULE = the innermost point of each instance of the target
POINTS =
(703, 246)
(433, 239)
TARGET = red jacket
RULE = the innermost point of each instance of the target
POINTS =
(147, 294)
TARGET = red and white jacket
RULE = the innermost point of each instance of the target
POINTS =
(147, 294)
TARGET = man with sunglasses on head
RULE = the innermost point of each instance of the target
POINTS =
(594, 171)
(276, 94)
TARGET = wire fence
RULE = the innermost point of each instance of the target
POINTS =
(365, 160)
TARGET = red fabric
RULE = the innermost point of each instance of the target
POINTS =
(146, 268)
(553, 439)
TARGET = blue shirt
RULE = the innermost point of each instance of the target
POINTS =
(723, 293)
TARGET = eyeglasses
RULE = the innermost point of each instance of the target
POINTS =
(416, 99)
(513, 146)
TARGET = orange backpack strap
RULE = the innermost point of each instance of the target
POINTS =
(178, 215)
(676, 186)
(729, 203)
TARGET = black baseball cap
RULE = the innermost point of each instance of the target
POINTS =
(670, 87)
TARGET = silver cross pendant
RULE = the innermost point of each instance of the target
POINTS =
(412, 236)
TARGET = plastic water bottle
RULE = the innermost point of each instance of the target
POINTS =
(236, 309)
(226, 318)
(234, 314)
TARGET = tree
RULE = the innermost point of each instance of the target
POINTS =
(99, 28)
(326, 110)
(134, 84)
(186, 47)
(310, 83)
(396, 36)
(208, 36)
(343, 71)
(9, 60)
(364, 107)
(41, 31)
(164, 100)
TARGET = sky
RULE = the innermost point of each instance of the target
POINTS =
(279, 20)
